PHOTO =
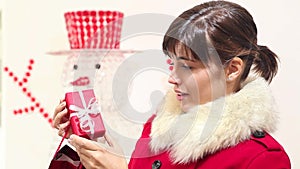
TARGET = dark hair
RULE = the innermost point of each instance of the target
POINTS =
(229, 29)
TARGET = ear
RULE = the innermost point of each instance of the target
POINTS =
(234, 69)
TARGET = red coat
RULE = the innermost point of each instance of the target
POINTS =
(261, 151)
(229, 145)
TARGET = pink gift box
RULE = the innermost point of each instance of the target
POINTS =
(85, 117)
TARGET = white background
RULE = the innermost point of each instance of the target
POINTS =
(33, 27)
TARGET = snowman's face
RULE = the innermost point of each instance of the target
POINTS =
(90, 71)
(81, 71)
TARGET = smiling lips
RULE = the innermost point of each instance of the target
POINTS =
(81, 81)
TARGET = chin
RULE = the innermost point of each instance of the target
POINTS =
(185, 108)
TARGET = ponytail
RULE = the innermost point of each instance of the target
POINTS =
(265, 63)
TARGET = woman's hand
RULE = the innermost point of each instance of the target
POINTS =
(61, 119)
(93, 155)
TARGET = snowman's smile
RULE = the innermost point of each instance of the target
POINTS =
(81, 81)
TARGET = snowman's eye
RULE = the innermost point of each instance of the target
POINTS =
(97, 66)
(75, 67)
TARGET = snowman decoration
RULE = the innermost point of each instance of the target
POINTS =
(92, 63)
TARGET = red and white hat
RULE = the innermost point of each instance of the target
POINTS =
(90, 29)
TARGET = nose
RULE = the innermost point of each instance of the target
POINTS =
(173, 79)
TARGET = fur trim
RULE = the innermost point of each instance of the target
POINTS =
(213, 126)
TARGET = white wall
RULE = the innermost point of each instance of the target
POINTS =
(32, 28)
(1, 130)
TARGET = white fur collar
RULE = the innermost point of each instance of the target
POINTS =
(213, 126)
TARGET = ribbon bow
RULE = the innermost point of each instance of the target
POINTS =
(85, 121)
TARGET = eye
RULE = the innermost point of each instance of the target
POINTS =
(97, 66)
(186, 67)
(75, 67)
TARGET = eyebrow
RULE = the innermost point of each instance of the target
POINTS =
(184, 58)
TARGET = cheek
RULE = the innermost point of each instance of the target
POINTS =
(201, 86)
(199, 80)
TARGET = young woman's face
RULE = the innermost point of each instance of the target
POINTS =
(191, 81)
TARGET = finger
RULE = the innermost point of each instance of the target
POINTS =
(101, 140)
(59, 108)
(61, 132)
(64, 127)
(87, 160)
(100, 159)
(84, 160)
(83, 143)
(60, 118)
(61, 100)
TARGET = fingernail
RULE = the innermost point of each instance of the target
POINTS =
(71, 138)
(63, 104)
(65, 110)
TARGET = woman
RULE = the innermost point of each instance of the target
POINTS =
(220, 112)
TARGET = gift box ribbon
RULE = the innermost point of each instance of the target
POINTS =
(84, 114)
